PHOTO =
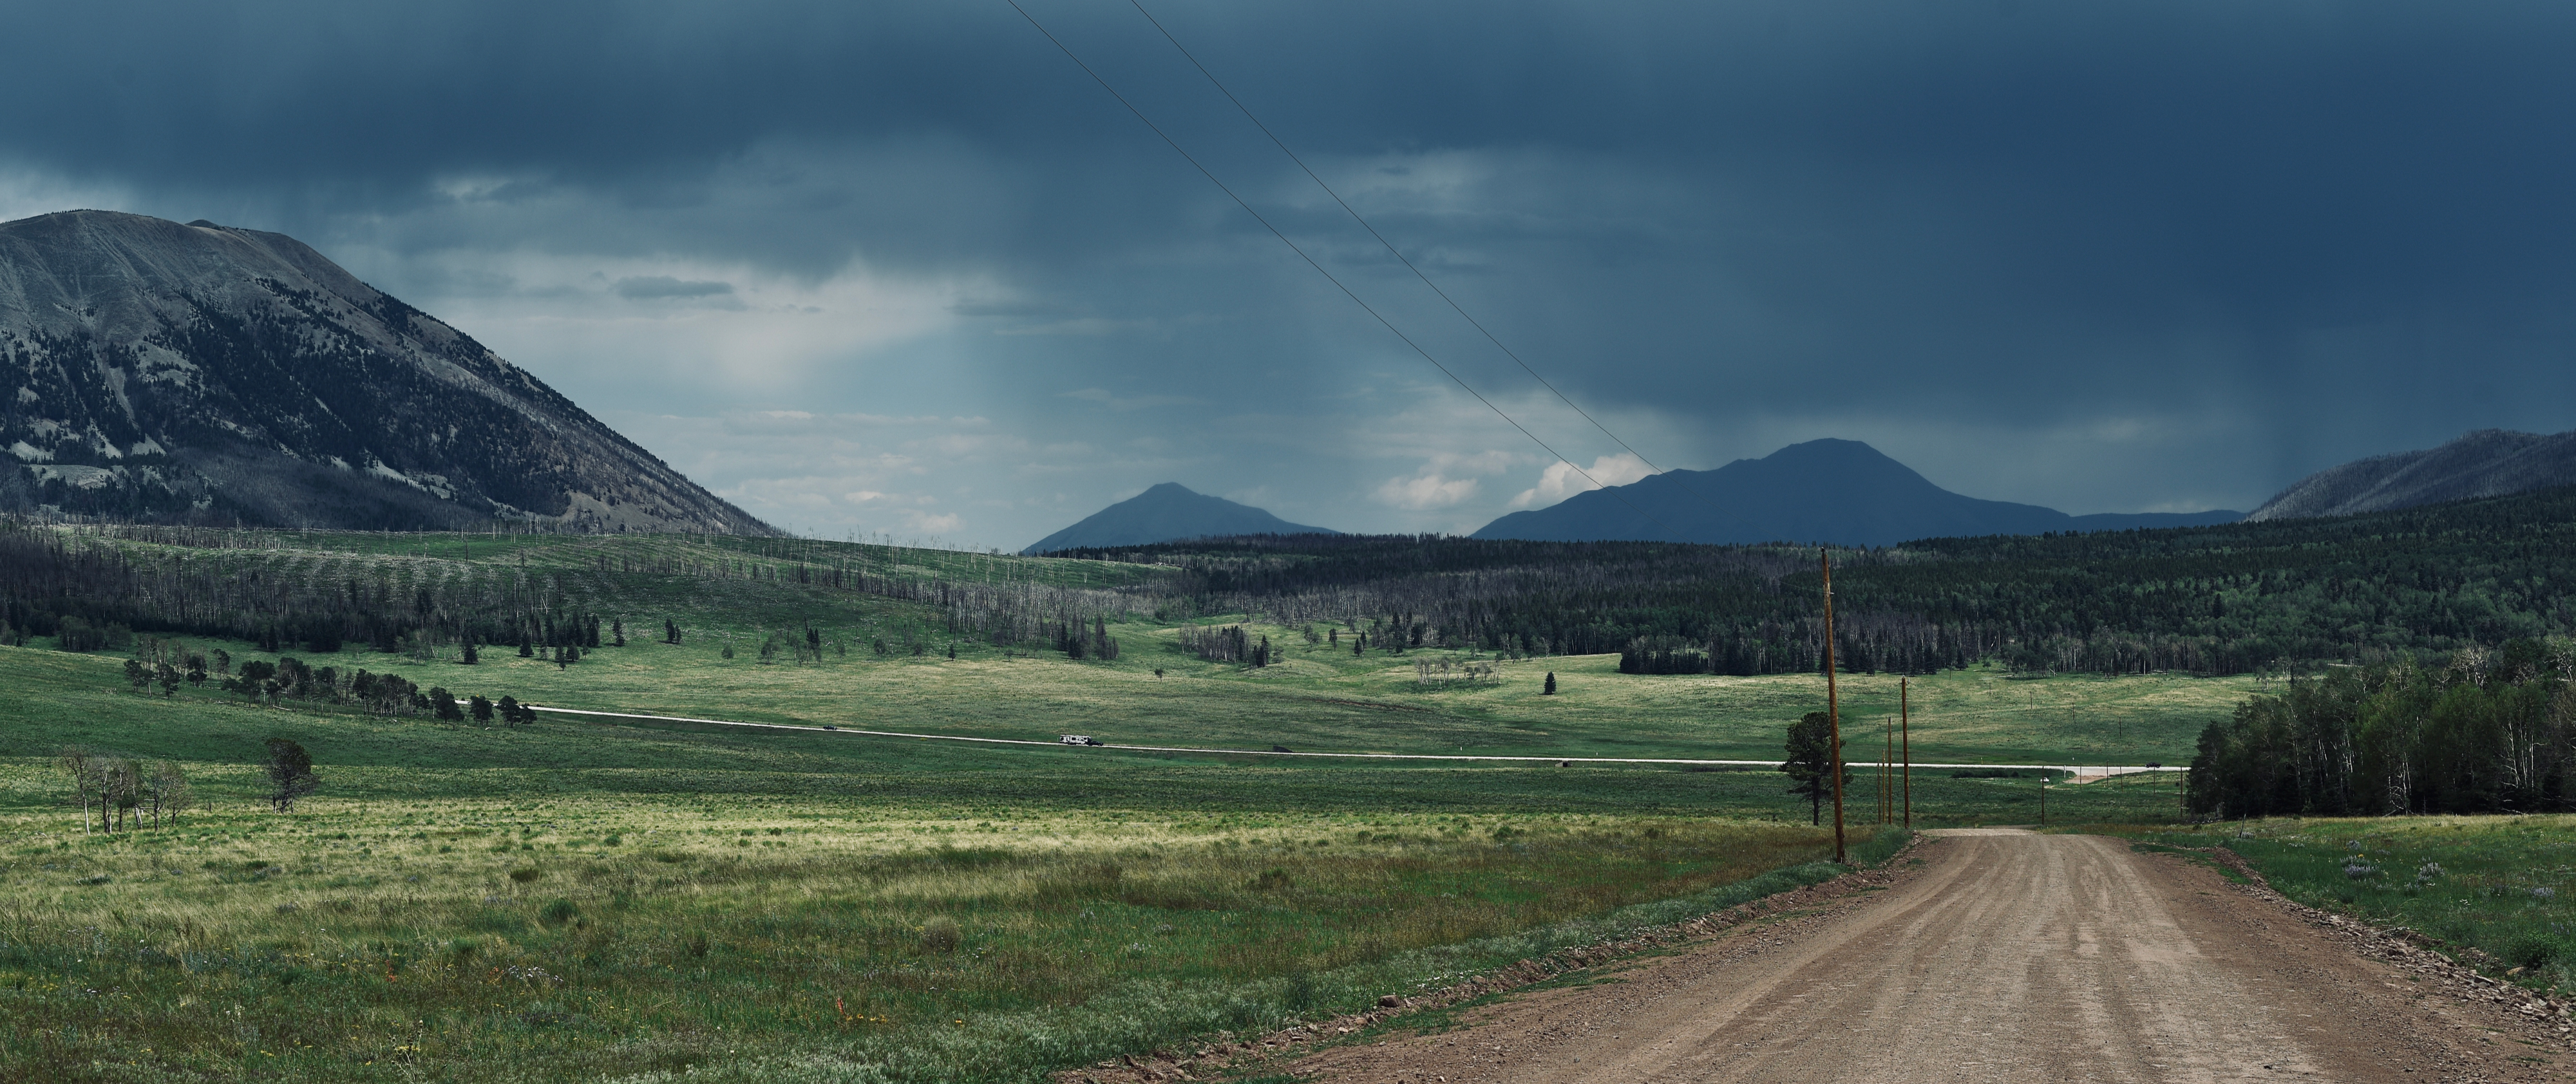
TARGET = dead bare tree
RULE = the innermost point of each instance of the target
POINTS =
(82, 765)
(121, 791)
(168, 791)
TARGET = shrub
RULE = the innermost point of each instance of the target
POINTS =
(524, 876)
(557, 913)
(2533, 949)
(940, 934)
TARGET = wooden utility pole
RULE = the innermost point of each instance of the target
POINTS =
(1905, 735)
(2043, 796)
(1886, 772)
(1833, 702)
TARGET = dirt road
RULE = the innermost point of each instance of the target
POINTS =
(2004, 956)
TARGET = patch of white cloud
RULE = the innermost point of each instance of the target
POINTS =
(1425, 491)
(1560, 480)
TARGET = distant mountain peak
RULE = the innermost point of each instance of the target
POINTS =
(1828, 490)
(1165, 512)
(2481, 463)
(210, 373)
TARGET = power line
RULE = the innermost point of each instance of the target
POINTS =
(1398, 253)
(1319, 268)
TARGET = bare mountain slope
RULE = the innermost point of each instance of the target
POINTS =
(203, 373)
(2485, 463)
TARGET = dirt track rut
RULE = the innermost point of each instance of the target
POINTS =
(2003, 956)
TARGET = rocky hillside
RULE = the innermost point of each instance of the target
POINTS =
(2485, 463)
(209, 374)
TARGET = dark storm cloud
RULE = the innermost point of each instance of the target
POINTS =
(648, 287)
(2242, 240)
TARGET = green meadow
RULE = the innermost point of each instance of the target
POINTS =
(631, 900)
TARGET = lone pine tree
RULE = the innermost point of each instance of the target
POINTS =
(1810, 763)
(290, 773)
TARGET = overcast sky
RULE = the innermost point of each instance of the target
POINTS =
(903, 268)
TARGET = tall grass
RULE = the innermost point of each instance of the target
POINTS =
(499, 941)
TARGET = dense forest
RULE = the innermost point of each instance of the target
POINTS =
(2491, 731)
(2417, 586)
(2414, 584)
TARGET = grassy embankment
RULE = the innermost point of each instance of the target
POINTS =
(2498, 885)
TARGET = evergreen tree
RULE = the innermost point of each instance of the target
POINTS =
(526, 649)
(617, 628)
(1811, 760)
(1551, 685)
(290, 773)
(481, 709)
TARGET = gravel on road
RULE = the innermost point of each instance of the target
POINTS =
(2001, 955)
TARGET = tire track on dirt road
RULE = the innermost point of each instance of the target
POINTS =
(2006, 956)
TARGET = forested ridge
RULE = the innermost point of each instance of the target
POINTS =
(2418, 584)
(2214, 600)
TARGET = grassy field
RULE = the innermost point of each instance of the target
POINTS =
(565, 936)
(738, 593)
(2498, 885)
(573, 898)
(608, 898)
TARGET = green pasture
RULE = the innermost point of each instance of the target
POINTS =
(627, 900)
(741, 593)
(583, 899)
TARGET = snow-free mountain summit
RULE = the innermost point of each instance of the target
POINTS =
(202, 373)
(1838, 491)
(1165, 513)
(2485, 463)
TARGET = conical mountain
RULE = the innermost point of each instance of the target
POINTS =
(1165, 513)
(209, 374)
(1836, 491)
